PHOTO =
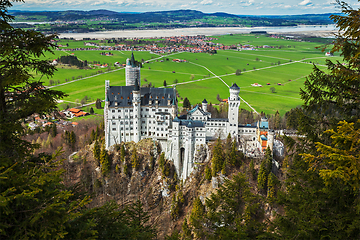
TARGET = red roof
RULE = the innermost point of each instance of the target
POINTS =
(74, 110)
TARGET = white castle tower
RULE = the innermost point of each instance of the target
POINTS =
(132, 72)
(204, 105)
(233, 113)
(137, 111)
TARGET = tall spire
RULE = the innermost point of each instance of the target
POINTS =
(136, 87)
(132, 61)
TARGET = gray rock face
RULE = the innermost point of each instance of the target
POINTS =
(200, 153)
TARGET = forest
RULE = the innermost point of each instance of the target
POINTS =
(313, 195)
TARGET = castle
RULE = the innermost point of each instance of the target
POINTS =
(132, 113)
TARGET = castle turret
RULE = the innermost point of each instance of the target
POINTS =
(204, 105)
(132, 71)
(106, 124)
(233, 113)
(136, 115)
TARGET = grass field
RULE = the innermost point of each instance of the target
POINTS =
(205, 75)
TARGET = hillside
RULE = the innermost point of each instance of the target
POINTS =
(99, 20)
(168, 200)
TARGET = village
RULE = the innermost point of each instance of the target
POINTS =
(194, 44)
(61, 119)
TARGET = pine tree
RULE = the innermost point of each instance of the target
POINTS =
(262, 176)
(72, 140)
(53, 130)
(271, 187)
(252, 169)
(186, 230)
(122, 153)
(197, 212)
(233, 157)
(208, 173)
(320, 203)
(96, 151)
(139, 222)
(217, 160)
(233, 212)
(135, 162)
(162, 161)
(104, 162)
(186, 103)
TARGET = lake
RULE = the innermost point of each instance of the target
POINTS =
(320, 29)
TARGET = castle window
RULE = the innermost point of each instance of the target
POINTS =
(119, 110)
(113, 123)
(113, 111)
(131, 110)
(147, 109)
(114, 129)
(113, 117)
(121, 122)
(122, 128)
(119, 117)
(122, 97)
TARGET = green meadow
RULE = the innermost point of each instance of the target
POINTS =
(206, 75)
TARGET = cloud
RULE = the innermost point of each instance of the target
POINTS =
(206, 2)
(305, 3)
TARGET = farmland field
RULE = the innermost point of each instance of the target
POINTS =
(281, 72)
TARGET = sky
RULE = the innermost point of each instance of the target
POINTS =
(241, 7)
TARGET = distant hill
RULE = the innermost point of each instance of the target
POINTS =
(102, 19)
(162, 16)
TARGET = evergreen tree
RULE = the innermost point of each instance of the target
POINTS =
(262, 176)
(139, 222)
(196, 215)
(92, 111)
(104, 162)
(53, 130)
(320, 200)
(271, 187)
(165, 84)
(233, 212)
(135, 162)
(186, 230)
(217, 160)
(162, 161)
(208, 173)
(96, 151)
(35, 203)
(252, 169)
(72, 140)
(186, 103)
(233, 157)
(122, 153)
